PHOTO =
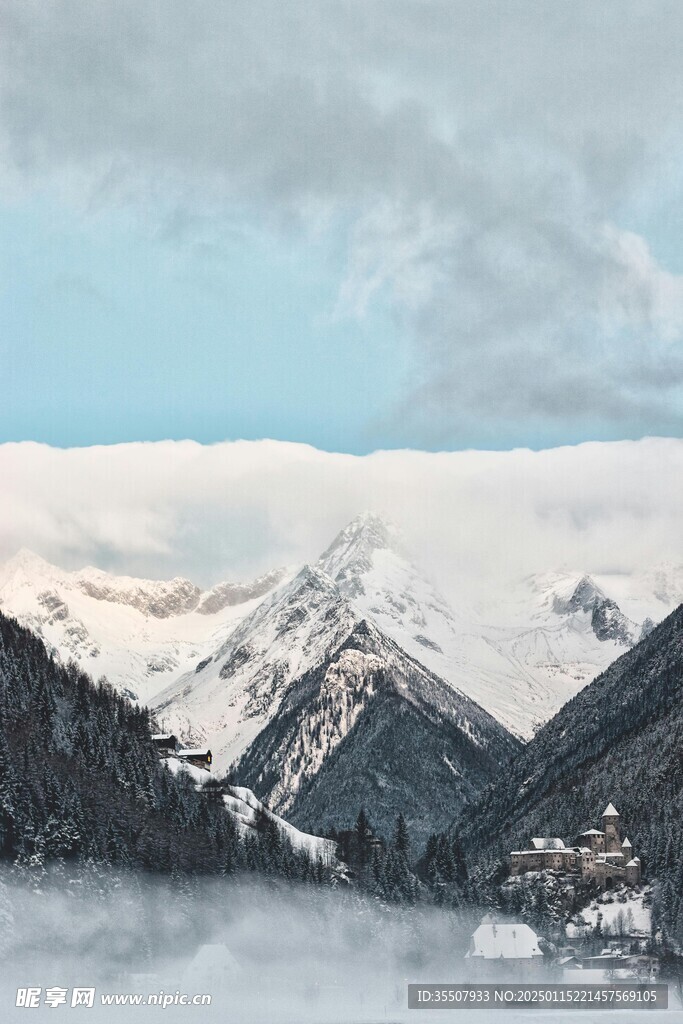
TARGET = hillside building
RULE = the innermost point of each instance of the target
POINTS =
(166, 743)
(599, 854)
(198, 758)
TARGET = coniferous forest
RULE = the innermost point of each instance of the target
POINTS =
(81, 781)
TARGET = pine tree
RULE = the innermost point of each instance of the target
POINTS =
(401, 837)
(363, 836)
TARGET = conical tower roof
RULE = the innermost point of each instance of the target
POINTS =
(627, 842)
(610, 812)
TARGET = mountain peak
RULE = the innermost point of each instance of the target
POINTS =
(371, 528)
(586, 593)
(584, 597)
(27, 563)
(26, 558)
(608, 622)
(351, 552)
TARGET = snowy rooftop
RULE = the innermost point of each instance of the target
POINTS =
(210, 963)
(204, 752)
(163, 736)
(627, 842)
(542, 843)
(510, 941)
(518, 853)
(610, 812)
(593, 832)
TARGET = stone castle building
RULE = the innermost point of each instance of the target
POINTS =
(600, 855)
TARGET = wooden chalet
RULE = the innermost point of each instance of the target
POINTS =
(199, 758)
(166, 743)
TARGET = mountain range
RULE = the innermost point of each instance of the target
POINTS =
(521, 654)
(310, 682)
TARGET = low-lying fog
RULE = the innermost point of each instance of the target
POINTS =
(264, 953)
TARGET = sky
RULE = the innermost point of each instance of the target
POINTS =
(356, 225)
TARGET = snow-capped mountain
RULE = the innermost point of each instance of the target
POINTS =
(522, 655)
(233, 692)
(137, 633)
(370, 726)
(307, 697)
(541, 643)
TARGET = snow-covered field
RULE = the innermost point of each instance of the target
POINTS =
(621, 912)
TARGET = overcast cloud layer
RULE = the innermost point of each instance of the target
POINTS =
(486, 167)
(230, 511)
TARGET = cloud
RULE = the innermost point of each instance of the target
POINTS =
(480, 160)
(474, 520)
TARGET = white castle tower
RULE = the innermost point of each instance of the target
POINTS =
(610, 826)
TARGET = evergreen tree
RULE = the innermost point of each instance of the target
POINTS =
(401, 837)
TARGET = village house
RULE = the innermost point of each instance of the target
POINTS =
(512, 950)
(599, 854)
(568, 963)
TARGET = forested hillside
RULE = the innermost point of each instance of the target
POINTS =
(80, 779)
(619, 740)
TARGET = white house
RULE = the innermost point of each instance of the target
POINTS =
(512, 949)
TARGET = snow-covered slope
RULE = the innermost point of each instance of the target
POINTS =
(521, 654)
(137, 633)
(542, 642)
(248, 811)
(622, 913)
(236, 690)
(249, 814)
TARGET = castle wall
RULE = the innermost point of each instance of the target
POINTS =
(542, 860)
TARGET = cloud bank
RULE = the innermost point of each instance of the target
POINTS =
(474, 520)
(481, 167)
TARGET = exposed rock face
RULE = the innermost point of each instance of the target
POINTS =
(608, 622)
(226, 595)
(151, 597)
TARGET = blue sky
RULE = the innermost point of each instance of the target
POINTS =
(114, 333)
(455, 227)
